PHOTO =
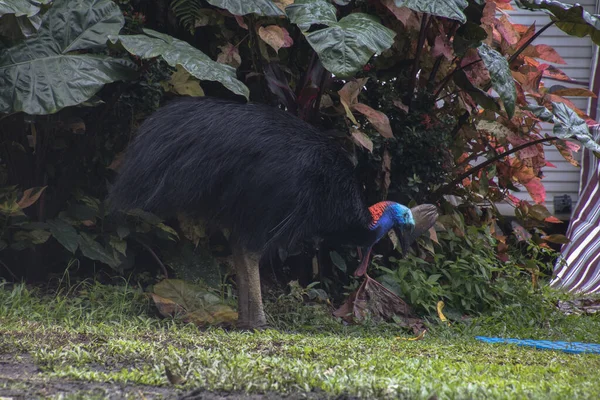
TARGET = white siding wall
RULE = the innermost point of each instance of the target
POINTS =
(578, 53)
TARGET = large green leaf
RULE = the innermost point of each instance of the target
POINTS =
(567, 124)
(243, 7)
(177, 52)
(343, 47)
(452, 9)
(346, 46)
(572, 19)
(502, 80)
(20, 7)
(305, 13)
(43, 74)
(95, 251)
(65, 234)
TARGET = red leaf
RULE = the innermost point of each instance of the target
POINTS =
(549, 164)
(386, 167)
(553, 220)
(507, 30)
(400, 105)
(442, 47)
(489, 14)
(240, 21)
(409, 18)
(229, 55)
(536, 190)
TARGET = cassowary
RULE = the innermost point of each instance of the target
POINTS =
(268, 177)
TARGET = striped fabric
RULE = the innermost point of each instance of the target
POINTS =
(578, 268)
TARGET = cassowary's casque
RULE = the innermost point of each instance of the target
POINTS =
(267, 176)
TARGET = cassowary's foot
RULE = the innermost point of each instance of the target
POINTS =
(250, 307)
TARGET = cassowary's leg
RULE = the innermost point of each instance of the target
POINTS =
(250, 307)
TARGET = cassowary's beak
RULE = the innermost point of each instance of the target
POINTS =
(404, 234)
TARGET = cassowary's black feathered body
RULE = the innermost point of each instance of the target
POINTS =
(267, 176)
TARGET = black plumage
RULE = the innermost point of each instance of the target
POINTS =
(267, 176)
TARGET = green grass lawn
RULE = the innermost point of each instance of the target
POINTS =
(104, 341)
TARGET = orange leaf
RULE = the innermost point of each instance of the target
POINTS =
(379, 120)
(547, 53)
(553, 220)
(578, 92)
(275, 36)
(556, 238)
(349, 96)
(362, 139)
(526, 36)
(566, 151)
(401, 105)
(555, 73)
(30, 196)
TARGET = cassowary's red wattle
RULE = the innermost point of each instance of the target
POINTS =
(268, 177)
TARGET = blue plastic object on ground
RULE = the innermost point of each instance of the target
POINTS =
(568, 347)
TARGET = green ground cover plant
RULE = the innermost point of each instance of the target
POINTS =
(96, 341)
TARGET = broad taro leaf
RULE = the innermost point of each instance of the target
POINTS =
(244, 7)
(541, 112)
(572, 19)
(305, 13)
(41, 75)
(452, 9)
(177, 52)
(20, 7)
(502, 80)
(65, 234)
(567, 124)
(95, 251)
(346, 46)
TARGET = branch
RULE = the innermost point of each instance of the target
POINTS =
(9, 271)
(438, 61)
(492, 160)
(160, 263)
(451, 74)
(425, 21)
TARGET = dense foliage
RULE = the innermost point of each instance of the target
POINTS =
(416, 92)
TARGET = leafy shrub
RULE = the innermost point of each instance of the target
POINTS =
(464, 272)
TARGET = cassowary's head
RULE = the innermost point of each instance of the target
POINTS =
(389, 215)
(404, 224)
